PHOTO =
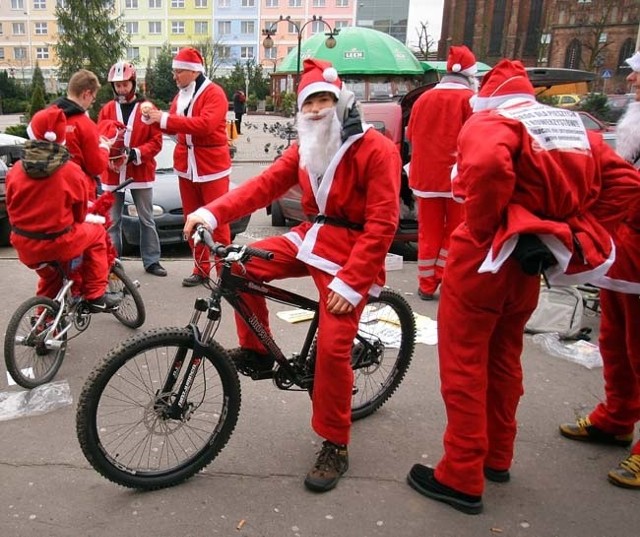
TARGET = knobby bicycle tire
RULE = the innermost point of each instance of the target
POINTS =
(374, 384)
(131, 311)
(119, 423)
(28, 360)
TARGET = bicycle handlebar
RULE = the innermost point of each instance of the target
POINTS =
(226, 252)
(123, 184)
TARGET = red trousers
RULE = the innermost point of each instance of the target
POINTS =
(333, 381)
(481, 319)
(620, 349)
(437, 218)
(195, 195)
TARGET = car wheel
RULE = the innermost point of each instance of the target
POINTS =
(5, 231)
(408, 250)
(277, 216)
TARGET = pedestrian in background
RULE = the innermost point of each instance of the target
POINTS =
(141, 143)
(436, 119)
(538, 188)
(349, 175)
(198, 115)
(88, 150)
(613, 420)
(239, 108)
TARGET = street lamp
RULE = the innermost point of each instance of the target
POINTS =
(329, 43)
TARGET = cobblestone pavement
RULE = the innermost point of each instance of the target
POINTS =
(262, 136)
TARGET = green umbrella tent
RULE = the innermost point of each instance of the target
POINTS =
(358, 51)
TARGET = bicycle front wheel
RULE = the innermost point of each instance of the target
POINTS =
(129, 430)
(33, 352)
(131, 311)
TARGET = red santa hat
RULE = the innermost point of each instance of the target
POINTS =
(318, 75)
(114, 132)
(190, 59)
(48, 125)
(507, 80)
(634, 62)
(462, 61)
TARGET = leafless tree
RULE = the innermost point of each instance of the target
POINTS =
(212, 54)
(426, 43)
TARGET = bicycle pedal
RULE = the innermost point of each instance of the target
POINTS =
(261, 375)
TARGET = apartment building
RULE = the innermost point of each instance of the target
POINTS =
(28, 28)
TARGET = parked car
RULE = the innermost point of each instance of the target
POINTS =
(10, 151)
(391, 118)
(618, 105)
(567, 100)
(592, 123)
(610, 138)
(4, 221)
(167, 206)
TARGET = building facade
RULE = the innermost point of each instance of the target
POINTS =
(595, 35)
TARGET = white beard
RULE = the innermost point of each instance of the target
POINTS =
(628, 133)
(184, 97)
(319, 140)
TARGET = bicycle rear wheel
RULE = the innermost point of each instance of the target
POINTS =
(381, 352)
(32, 353)
(123, 422)
(131, 311)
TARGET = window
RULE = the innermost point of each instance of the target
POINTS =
(131, 27)
(1, 30)
(602, 38)
(342, 3)
(295, 3)
(202, 3)
(497, 28)
(270, 25)
(317, 27)
(174, 50)
(248, 3)
(42, 53)
(223, 3)
(246, 53)
(626, 51)
(247, 27)
(341, 24)
(1, 53)
(224, 52)
(155, 27)
(155, 4)
(271, 53)
(224, 27)
(61, 3)
(154, 52)
(17, 4)
(39, 4)
(133, 53)
(271, 3)
(292, 27)
(573, 55)
(177, 27)
(131, 4)
(41, 28)
(18, 28)
(177, 3)
(19, 53)
(202, 27)
(319, 3)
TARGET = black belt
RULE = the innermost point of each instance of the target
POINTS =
(40, 236)
(338, 222)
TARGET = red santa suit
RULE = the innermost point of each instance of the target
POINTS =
(522, 168)
(619, 338)
(436, 119)
(51, 210)
(360, 186)
(84, 144)
(201, 157)
(145, 140)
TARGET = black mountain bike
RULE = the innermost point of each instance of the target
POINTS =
(162, 404)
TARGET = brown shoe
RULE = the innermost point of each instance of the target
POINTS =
(585, 431)
(627, 474)
(332, 462)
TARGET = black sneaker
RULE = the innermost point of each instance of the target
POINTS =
(156, 269)
(332, 462)
(248, 361)
(193, 280)
(497, 476)
(426, 296)
(422, 479)
(103, 303)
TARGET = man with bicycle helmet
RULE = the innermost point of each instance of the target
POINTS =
(350, 179)
(133, 156)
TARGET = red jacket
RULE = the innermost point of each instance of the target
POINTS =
(362, 188)
(202, 150)
(436, 119)
(48, 205)
(530, 168)
(145, 140)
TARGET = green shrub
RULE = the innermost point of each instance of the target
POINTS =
(17, 130)
(14, 105)
(597, 105)
(288, 103)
